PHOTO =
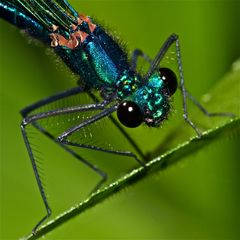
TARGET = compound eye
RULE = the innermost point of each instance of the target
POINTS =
(129, 114)
(170, 80)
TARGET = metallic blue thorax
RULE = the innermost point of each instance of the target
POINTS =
(99, 61)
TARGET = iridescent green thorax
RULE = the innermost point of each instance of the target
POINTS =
(151, 97)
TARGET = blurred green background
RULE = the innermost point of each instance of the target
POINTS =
(196, 199)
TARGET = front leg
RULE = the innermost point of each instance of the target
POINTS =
(156, 63)
(33, 120)
(64, 136)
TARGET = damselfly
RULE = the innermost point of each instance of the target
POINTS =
(102, 65)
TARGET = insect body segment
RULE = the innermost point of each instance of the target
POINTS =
(150, 97)
(127, 84)
(153, 101)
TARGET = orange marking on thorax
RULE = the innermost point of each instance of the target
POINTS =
(54, 27)
(81, 35)
(87, 20)
(74, 27)
(75, 37)
(59, 40)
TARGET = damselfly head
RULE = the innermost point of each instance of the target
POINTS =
(150, 102)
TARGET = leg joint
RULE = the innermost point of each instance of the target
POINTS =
(185, 116)
(25, 122)
(49, 212)
(174, 36)
(61, 139)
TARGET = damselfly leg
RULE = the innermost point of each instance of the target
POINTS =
(205, 111)
(64, 137)
(127, 137)
(156, 63)
(26, 113)
(62, 140)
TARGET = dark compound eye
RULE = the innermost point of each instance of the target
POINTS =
(129, 114)
(170, 79)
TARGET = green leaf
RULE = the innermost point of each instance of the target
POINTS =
(224, 96)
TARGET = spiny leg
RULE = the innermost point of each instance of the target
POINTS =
(37, 176)
(155, 64)
(74, 154)
(182, 86)
(186, 94)
(63, 137)
(67, 93)
(205, 111)
(138, 53)
(31, 120)
(98, 106)
(117, 152)
(123, 132)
